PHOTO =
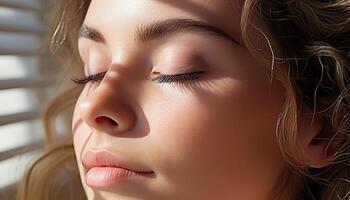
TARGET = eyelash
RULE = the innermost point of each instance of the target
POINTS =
(176, 78)
(93, 77)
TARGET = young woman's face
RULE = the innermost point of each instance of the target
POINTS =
(204, 136)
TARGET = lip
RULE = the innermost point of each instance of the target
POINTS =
(104, 169)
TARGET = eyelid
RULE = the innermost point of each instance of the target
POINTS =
(183, 68)
(93, 77)
(90, 34)
(178, 78)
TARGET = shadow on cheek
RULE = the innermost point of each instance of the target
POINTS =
(76, 125)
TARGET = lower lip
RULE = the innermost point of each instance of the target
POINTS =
(109, 176)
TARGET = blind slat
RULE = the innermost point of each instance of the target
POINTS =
(13, 20)
(18, 117)
(21, 150)
(18, 44)
(21, 32)
(21, 4)
(24, 83)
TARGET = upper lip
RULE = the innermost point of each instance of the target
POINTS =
(103, 158)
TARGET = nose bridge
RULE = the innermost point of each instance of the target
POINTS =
(106, 106)
(128, 61)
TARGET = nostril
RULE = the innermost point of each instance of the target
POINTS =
(106, 121)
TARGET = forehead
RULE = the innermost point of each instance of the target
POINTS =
(113, 17)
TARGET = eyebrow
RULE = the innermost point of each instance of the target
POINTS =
(161, 28)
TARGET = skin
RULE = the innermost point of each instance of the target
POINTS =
(210, 138)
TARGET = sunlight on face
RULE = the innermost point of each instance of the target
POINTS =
(206, 132)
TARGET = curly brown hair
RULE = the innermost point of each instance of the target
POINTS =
(314, 69)
(314, 36)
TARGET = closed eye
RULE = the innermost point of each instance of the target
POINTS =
(178, 78)
(93, 77)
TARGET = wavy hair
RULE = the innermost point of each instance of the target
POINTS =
(314, 69)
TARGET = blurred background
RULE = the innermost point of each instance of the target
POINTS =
(27, 82)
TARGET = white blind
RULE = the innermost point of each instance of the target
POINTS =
(22, 88)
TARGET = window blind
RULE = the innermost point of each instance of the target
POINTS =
(23, 88)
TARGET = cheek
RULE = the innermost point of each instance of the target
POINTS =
(80, 129)
(198, 129)
(223, 129)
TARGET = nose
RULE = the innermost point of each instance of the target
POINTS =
(105, 107)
